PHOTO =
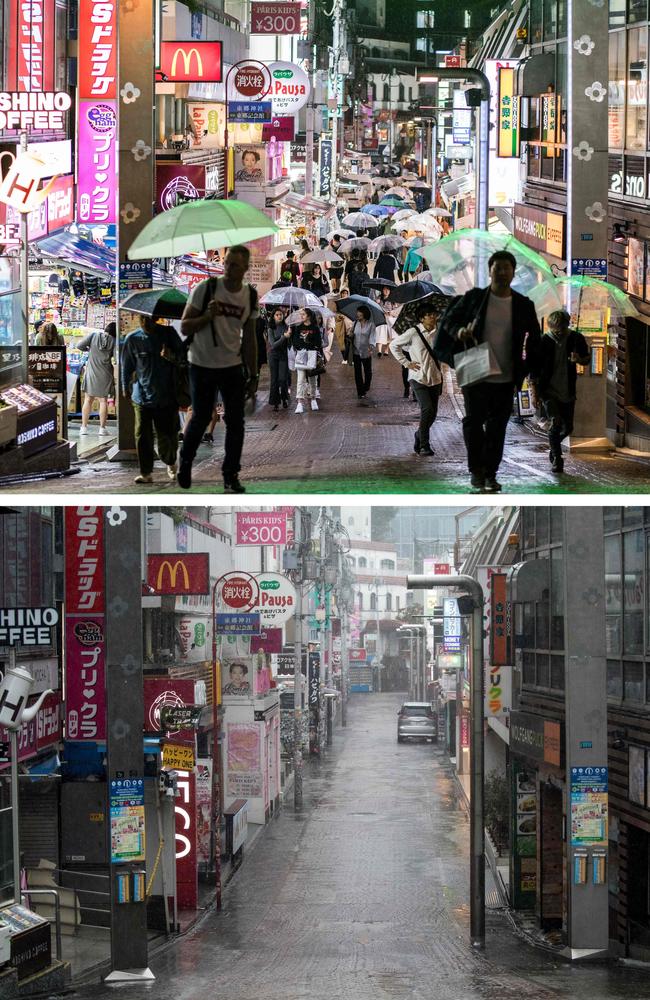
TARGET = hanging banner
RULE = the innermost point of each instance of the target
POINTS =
(244, 759)
(277, 17)
(508, 128)
(325, 167)
(499, 620)
(97, 50)
(30, 46)
(186, 847)
(97, 163)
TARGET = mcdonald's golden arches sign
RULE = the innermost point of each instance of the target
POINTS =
(178, 573)
(190, 62)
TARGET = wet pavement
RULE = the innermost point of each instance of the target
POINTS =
(353, 447)
(363, 896)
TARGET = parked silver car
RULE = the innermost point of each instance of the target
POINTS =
(416, 721)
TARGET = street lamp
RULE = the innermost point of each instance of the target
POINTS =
(477, 748)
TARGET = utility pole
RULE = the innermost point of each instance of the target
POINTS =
(297, 673)
(337, 45)
(309, 157)
(477, 748)
(344, 665)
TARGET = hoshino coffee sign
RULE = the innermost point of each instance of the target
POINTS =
(36, 110)
(27, 626)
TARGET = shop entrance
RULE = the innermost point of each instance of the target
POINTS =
(550, 892)
(638, 898)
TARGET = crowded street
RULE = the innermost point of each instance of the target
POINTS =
(363, 895)
(353, 447)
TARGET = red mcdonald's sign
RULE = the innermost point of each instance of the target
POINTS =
(190, 62)
(179, 573)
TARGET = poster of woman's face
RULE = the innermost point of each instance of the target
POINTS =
(236, 677)
(250, 166)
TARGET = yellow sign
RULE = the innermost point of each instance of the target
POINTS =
(173, 572)
(508, 136)
(177, 757)
(186, 56)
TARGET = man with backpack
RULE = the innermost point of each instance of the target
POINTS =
(424, 372)
(220, 324)
(290, 269)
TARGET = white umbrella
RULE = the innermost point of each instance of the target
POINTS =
(360, 220)
(404, 213)
(343, 233)
(440, 212)
(282, 249)
(321, 256)
(294, 318)
(409, 175)
(358, 243)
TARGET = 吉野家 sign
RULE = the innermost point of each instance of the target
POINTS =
(27, 626)
(179, 573)
(277, 17)
(261, 528)
(177, 757)
(191, 62)
(508, 128)
(499, 620)
(44, 111)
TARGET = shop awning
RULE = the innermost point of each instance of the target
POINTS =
(305, 203)
(77, 252)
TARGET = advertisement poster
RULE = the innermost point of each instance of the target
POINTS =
(589, 806)
(192, 639)
(236, 677)
(268, 641)
(261, 527)
(203, 776)
(208, 121)
(262, 675)
(127, 820)
(177, 183)
(250, 166)
(244, 759)
(524, 839)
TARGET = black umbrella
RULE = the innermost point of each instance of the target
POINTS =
(379, 283)
(413, 290)
(160, 303)
(409, 314)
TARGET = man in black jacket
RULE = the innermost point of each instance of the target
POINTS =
(560, 350)
(507, 321)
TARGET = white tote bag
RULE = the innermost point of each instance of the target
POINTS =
(475, 364)
(306, 360)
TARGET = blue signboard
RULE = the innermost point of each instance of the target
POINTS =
(136, 275)
(238, 624)
(592, 267)
(249, 111)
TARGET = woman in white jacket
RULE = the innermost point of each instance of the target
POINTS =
(425, 374)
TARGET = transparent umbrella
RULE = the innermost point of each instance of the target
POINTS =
(327, 255)
(387, 243)
(295, 317)
(343, 233)
(294, 298)
(583, 296)
(359, 220)
(281, 250)
(459, 261)
(404, 213)
(358, 243)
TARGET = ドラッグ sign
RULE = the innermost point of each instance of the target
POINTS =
(289, 88)
(277, 600)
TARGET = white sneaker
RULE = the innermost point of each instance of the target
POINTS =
(300, 408)
(104, 432)
(83, 430)
(143, 479)
(171, 471)
(314, 404)
(344, 362)
(317, 395)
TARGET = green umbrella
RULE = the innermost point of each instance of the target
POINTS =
(161, 303)
(592, 293)
(205, 224)
(392, 201)
(459, 261)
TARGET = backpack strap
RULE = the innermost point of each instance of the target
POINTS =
(428, 347)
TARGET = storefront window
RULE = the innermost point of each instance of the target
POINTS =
(528, 664)
(543, 670)
(632, 681)
(633, 601)
(557, 524)
(637, 10)
(542, 519)
(528, 524)
(535, 21)
(614, 679)
(557, 673)
(550, 18)
(561, 18)
(616, 113)
(529, 625)
(542, 625)
(637, 54)
(636, 267)
(557, 600)
(611, 518)
(613, 607)
(616, 13)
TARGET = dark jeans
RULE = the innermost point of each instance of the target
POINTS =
(362, 374)
(405, 380)
(279, 370)
(562, 417)
(427, 396)
(488, 406)
(164, 420)
(204, 383)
